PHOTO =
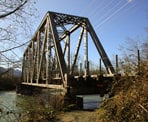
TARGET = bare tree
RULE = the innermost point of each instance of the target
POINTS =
(129, 93)
(129, 62)
(145, 50)
(16, 18)
(14, 14)
(8, 7)
(15, 23)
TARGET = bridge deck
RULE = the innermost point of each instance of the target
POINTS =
(45, 85)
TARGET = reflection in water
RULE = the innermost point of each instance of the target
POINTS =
(8, 99)
(7, 106)
(92, 101)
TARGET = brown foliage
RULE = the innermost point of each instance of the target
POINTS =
(128, 100)
(129, 103)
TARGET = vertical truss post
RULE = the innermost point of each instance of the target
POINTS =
(68, 52)
(28, 66)
(30, 59)
(50, 59)
(32, 70)
(58, 49)
(24, 68)
(47, 52)
(86, 73)
(77, 50)
(38, 57)
(42, 53)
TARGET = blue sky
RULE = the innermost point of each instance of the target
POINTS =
(113, 20)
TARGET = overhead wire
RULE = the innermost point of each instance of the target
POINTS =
(113, 14)
(15, 54)
(109, 13)
(134, 5)
(83, 12)
(107, 17)
(102, 8)
(14, 47)
(87, 7)
(93, 9)
(109, 10)
(101, 11)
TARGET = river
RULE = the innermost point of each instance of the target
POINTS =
(8, 105)
(19, 108)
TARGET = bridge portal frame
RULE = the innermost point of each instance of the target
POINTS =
(44, 54)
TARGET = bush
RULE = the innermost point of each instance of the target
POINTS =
(128, 100)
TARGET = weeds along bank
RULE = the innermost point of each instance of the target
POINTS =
(129, 101)
(22, 108)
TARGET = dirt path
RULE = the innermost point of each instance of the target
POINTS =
(77, 116)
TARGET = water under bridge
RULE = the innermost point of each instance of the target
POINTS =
(49, 63)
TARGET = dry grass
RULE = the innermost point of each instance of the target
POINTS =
(129, 102)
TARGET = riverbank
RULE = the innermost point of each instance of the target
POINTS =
(22, 107)
(77, 116)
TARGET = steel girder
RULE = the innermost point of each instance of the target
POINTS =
(44, 59)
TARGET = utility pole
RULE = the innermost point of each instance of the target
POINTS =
(139, 62)
(117, 66)
(100, 68)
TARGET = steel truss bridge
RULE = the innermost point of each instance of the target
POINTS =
(47, 60)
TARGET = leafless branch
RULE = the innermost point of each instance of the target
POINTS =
(13, 11)
(143, 108)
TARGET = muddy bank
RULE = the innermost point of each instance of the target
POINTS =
(77, 116)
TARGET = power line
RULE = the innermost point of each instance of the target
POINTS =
(114, 13)
(90, 5)
(111, 8)
(108, 10)
(103, 8)
(15, 54)
(14, 47)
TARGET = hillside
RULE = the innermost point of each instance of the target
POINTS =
(9, 78)
(15, 72)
